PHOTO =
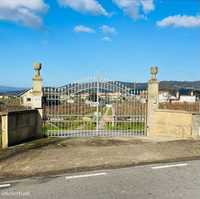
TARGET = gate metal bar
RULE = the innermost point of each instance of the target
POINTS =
(97, 118)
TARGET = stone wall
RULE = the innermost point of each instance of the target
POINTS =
(196, 125)
(173, 123)
(0, 133)
(20, 126)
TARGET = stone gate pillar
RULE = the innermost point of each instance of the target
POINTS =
(153, 98)
(37, 92)
(37, 96)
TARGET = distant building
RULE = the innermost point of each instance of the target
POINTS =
(3, 96)
(26, 98)
(166, 97)
(189, 99)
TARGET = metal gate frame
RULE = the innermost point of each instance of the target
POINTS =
(95, 108)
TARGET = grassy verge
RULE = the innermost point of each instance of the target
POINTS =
(55, 156)
(28, 146)
(0, 140)
(80, 125)
(109, 112)
(125, 126)
(74, 125)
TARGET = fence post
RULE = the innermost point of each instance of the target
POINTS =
(153, 99)
(4, 127)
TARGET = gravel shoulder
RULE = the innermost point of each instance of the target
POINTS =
(54, 155)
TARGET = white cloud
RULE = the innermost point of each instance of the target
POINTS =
(108, 29)
(180, 21)
(136, 8)
(107, 39)
(85, 29)
(85, 6)
(148, 5)
(26, 12)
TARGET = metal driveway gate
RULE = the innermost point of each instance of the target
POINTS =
(95, 108)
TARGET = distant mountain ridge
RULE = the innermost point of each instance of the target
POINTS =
(176, 85)
(167, 85)
(164, 85)
(8, 89)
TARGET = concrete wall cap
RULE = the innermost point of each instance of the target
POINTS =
(4, 113)
(16, 111)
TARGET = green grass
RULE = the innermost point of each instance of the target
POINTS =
(73, 125)
(0, 140)
(89, 126)
(62, 125)
(109, 112)
(80, 125)
(129, 126)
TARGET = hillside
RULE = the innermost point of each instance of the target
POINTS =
(7, 89)
(168, 85)
(164, 85)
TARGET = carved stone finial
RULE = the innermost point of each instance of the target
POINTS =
(37, 68)
(154, 72)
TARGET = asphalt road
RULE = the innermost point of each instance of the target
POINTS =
(163, 181)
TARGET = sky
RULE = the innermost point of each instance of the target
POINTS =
(115, 39)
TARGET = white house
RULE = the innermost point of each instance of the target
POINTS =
(164, 97)
(186, 98)
(28, 99)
